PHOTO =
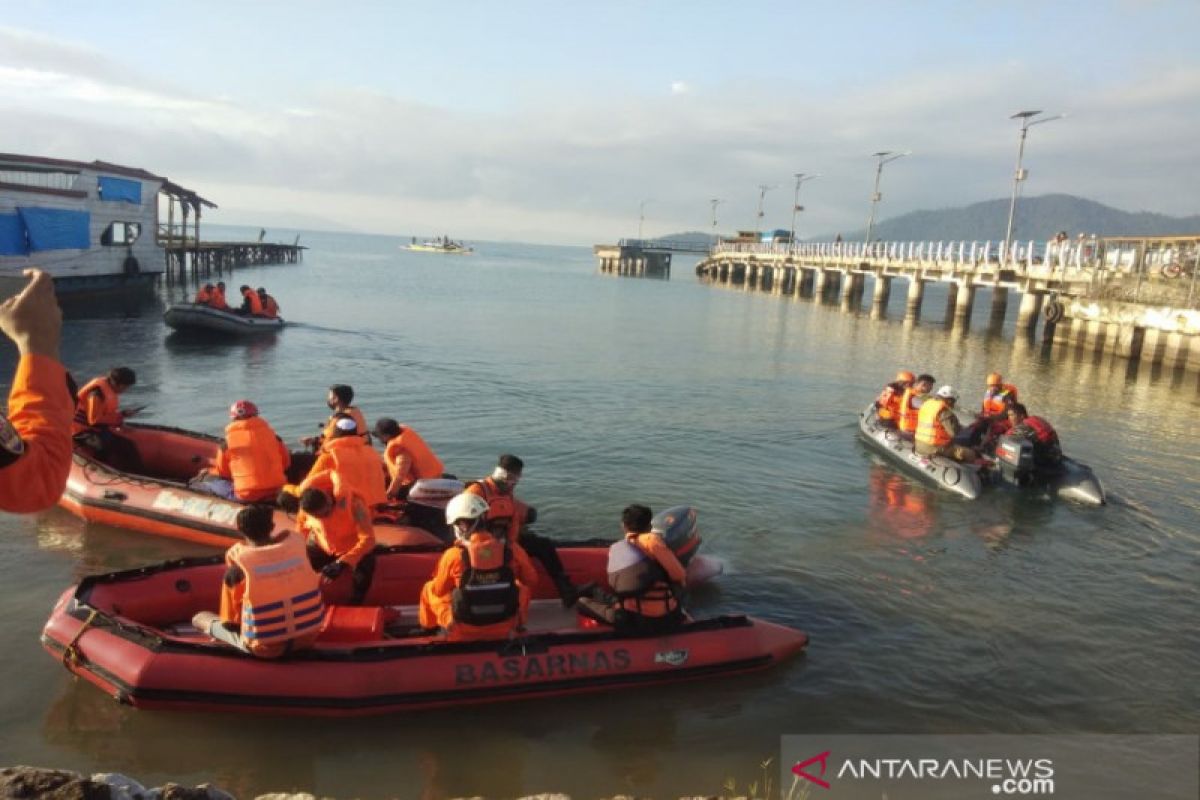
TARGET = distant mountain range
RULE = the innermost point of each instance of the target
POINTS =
(1038, 218)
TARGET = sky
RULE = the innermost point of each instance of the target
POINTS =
(578, 123)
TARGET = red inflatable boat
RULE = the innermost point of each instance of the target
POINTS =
(129, 634)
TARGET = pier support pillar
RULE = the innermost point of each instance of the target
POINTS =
(1031, 307)
(849, 280)
(916, 296)
(999, 307)
(951, 302)
(880, 296)
(963, 305)
(819, 279)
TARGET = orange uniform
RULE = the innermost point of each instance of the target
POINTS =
(203, 297)
(346, 532)
(270, 308)
(359, 464)
(272, 594)
(409, 453)
(888, 403)
(501, 505)
(997, 399)
(218, 299)
(437, 607)
(658, 601)
(358, 418)
(907, 421)
(253, 458)
(97, 404)
(252, 303)
(931, 428)
(39, 408)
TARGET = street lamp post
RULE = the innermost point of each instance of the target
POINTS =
(800, 178)
(763, 188)
(1020, 175)
(641, 217)
(716, 201)
(884, 157)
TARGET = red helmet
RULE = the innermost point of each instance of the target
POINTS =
(995, 379)
(905, 376)
(243, 409)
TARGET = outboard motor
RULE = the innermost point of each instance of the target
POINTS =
(1014, 455)
(426, 507)
(677, 527)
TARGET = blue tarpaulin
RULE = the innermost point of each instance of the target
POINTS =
(56, 229)
(120, 189)
(12, 236)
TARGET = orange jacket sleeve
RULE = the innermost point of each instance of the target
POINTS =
(448, 572)
(659, 551)
(221, 463)
(324, 463)
(95, 408)
(40, 409)
(365, 542)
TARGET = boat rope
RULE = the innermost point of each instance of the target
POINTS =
(71, 651)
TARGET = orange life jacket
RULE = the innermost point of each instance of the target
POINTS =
(202, 297)
(487, 592)
(424, 463)
(930, 430)
(996, 400)
(359, 420)
(1043, 432)
(888, 403)
(218, 299)
(270, 308)
(255, 462)
(501, 505)
(282, 598)
(359, 466)
(251, 298)
(638, 579)
(110, 411)
(908, 412)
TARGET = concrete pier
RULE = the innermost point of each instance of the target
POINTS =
(632, 261)
(999, 307)
(1031, 308)
(916, 296)
(880, 296)
(964, 304)
(819, 278)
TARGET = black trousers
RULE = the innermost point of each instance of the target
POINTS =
(542, 548)
(361, 577)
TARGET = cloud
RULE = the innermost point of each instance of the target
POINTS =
(573, 168)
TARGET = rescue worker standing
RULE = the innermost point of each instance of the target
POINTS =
(35, 436)
(937, 426)
(407, 457)
(910, 403)
(359, 464)
(507, 515)
(645, 577)
(997, 397)
(98, 412)
(481, 587)
(252, 463)
(251, 305)
(337, 523)
(887, 404)
(270, 597)
(1047, 451)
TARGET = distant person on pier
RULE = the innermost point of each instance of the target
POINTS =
(205, 295)
(251, 305)
(997, 397)
(344, 451)
(887, 404)
(270, 308)
(645, 576)
(937, 426)
(407, 457)
(251, 464)
(339, 400)
(98, 415)
(35, 436)
(218, 297)
(340, 534)
(270, 597)
(910, 404)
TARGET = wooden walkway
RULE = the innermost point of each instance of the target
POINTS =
(207, 258)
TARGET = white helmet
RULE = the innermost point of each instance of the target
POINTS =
(948, 392)
(465, 506)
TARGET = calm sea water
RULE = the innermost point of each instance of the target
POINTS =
(926, 613)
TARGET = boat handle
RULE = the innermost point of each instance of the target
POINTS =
(112, 494)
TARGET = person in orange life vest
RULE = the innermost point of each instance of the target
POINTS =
(481, 587)
(270, 308)
(337, 523)
(98, 413)
(35, 436)
(910, 403)
(1047, 451)
(251, 305)
(407, 457)
(645, 577)
(997, 397)
(937, 426)
(218, 297)
(205, 295)
(252, 462)
(359, 464)
(888, 403)
(271, 600)
(339, 401)
(507, 516)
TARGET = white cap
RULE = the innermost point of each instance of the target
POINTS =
(346, 424)
(947, 392)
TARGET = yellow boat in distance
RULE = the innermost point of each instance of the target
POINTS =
(442, 244)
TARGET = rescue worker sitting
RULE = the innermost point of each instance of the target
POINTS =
(218, 297)
(270, 597)
(407, 457)
(252, 462)
(910, 404)
(340, 536)
(481, 588)
(937, 426)
(887, 405)
(270, 308)
(205, 295)
(1047, 452)
(507, 516)
(359, 464)
(645, 577)
(997, 397)
(35, 436)
(339, 401)
(251, 305)
(98, 412)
